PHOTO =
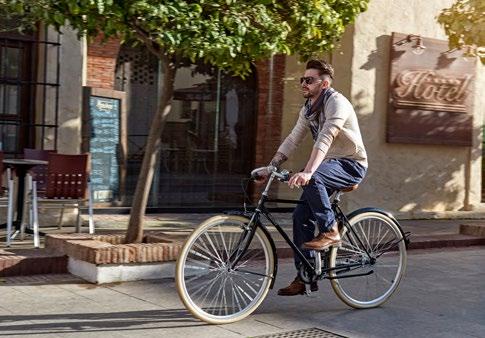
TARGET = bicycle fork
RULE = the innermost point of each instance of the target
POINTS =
(244, 240)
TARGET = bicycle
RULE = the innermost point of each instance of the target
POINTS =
(229, 263)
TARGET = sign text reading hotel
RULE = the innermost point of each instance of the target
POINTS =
(427, 89)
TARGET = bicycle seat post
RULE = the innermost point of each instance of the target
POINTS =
(336, 198)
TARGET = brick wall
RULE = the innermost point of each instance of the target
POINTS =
(269, 115)
(101, 62)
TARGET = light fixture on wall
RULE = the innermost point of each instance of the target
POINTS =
(418, 48)
(468, 52)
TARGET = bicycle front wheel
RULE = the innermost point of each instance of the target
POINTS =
(378, 259)
(210, 285)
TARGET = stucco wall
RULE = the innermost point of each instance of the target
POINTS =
(70, 93)
(403, 178)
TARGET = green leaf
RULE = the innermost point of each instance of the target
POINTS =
(230, 34)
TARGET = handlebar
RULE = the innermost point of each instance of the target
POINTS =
(282, 175)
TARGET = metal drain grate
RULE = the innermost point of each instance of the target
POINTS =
(304, 333)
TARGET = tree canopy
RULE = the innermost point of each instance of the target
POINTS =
(464, 23)
(227, 33)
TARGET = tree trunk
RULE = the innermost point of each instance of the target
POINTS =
(145, 178)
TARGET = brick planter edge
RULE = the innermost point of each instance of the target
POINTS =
(104, 259)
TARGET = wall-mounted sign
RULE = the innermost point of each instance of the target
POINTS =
(104, 136)
(431, 93)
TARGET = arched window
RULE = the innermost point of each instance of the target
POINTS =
(208, 141)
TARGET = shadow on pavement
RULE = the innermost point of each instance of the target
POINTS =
(94, 322)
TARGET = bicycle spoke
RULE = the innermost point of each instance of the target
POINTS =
(224, 244)
(382, 238)
(250, 281)
(354, 251)
(235, 295)
(209, 289)
(377, 239)
(365, 241)
(241, 297)
(207, 251)
(212, 245)
(253, 256)
(200, 264)
(194, 277)
(349, 243)
(388, 246)
(215, 300)
(225, 300)
(244, 292)
(202, 286)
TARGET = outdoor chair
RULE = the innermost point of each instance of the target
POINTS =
(6, 198)
(67, 186)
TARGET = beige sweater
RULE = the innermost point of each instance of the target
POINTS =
(338, 132)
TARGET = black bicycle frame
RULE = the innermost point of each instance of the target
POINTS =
(255, 222)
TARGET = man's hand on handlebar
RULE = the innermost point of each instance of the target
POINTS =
(260, 175)
(299, 179)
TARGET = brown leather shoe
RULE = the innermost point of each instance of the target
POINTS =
(324, 240)
(297, 287)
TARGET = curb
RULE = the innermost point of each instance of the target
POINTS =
(43, 261)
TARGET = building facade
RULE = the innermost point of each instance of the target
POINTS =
(222, 126)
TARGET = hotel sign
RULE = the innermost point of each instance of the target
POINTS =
(430, 97)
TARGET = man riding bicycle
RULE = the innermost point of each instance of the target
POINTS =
(338, 160)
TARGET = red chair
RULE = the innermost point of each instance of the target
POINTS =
(67, 186)
(6, 198)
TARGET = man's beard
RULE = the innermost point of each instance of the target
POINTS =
(306, 94)
(310, 93)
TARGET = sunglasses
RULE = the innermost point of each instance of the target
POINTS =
(309, 80)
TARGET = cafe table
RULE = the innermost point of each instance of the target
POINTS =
(21, 167)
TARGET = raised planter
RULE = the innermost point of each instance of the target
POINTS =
(105, 259)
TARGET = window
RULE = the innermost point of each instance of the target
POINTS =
(29, 90)
(208, 140)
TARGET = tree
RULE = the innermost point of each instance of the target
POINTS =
(228, 34)
(464, 23)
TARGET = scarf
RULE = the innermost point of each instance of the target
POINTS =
(313, 111)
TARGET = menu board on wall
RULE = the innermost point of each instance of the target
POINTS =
(430, 92)
(103, 131)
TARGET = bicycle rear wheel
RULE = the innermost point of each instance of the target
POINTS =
(209, 286)
(381, 272)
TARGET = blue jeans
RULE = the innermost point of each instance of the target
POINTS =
(331, 175)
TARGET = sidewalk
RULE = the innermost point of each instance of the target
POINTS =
(441, 295)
